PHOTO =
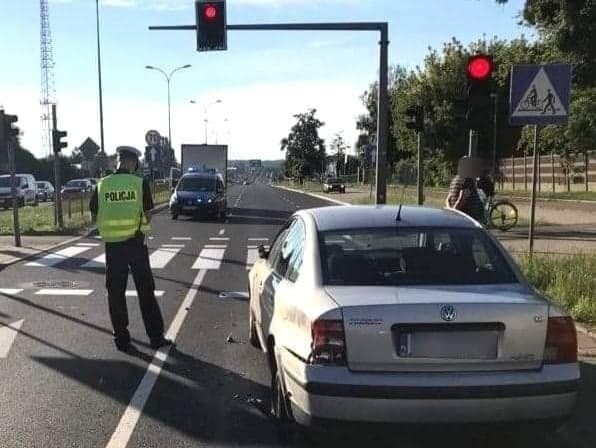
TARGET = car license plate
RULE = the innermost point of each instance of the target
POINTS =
(476, 342)
(190, 207)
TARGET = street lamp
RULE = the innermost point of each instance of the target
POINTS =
(168, 79)
(205, 110)
(102, 142)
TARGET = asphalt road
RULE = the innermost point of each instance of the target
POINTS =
(65, 385)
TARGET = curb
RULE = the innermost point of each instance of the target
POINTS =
(314, 195)
(87, 234)
(581, 329)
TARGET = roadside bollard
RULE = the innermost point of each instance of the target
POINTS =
(69, 209)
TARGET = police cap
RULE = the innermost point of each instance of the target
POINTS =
(128, 152)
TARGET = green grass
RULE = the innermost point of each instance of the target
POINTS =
(40, 220)
(570, 281)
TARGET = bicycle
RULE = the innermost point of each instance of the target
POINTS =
(500, 214)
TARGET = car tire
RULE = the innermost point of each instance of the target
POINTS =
(253, 337)
(174, 216)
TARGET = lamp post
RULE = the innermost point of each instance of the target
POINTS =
(168, 79)
(205, 110)
(103, 149)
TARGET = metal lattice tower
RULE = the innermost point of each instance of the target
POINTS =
(48, 87)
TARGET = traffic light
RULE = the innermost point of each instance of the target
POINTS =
(57, 137)
(7, 123)
(479, 71)
(415, 116)
(211, 25)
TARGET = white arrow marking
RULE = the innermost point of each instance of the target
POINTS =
(8, 333)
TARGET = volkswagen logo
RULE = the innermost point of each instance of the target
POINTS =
(448, 313)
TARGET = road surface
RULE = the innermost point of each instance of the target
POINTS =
(65, 385)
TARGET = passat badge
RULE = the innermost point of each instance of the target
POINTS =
(448, 313)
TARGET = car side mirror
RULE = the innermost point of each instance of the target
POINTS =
(172, 190)
(263, 253)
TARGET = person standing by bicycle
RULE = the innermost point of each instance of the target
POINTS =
(463, 193)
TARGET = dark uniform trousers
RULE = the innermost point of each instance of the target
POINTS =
(120, 257)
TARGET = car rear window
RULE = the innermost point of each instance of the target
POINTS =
(412, 256)
(77, 184)
(196, 184)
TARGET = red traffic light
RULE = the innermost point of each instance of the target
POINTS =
(480, 67)
(210, 12)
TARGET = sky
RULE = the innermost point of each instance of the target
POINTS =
(262, 80)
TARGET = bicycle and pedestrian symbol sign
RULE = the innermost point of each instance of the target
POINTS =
(540, 94)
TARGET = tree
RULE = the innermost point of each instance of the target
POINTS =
(305, 150)
(339, 148)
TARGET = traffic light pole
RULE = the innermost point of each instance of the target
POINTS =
(420, 186)
(383, 99)
(59, 219)
(13, 191)
(533, 201)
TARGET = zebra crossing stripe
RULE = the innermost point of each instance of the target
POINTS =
(209, 259)
(64, 292)
(133, 293)
(88, 244)
(55, 258)
(251, 257)
(97, 262)
(162, 256)
(10, 292)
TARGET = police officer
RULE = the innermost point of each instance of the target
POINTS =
(120, 206)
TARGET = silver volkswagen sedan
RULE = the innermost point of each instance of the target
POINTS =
(375, 314)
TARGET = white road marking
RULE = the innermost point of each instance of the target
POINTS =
(181, 238)
(219, 239)
(216, 246)
(88, 244)
(222, 231)
(132, 414)
(233, 295)
(53, 259)
(162, 256)
(251, 257)
(173, 245)
(64, 292)
(97, 262)
(133, 293)
(8, 334)
(209, 259)
(258, 239)
(10, 292)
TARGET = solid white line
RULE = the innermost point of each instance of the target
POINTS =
(173, 245)
(97, 262)
(219, 239)
(181, 238)
(8, 334)
(133, 293)
(10, 292)
(314, 195)
(161, 257)
(88, 244)
(132, 414)
(64, 292)
(222, 231)
(209, 259)
(258, 239)
(53, 259)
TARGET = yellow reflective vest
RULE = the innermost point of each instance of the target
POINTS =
(120, 208)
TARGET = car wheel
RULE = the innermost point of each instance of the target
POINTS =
(253, 337)
(174, 216)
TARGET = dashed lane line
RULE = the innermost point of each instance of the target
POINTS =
(181, 238)
(222, 232)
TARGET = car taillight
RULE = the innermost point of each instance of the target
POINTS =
(328, 342)
(561, 341)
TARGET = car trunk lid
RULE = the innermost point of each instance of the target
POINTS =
(443, 328)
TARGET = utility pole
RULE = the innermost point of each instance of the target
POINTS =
(383, 116)
(59, 220)
(8, 139)
(420, 186)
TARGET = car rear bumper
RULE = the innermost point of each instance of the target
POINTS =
(319, 394)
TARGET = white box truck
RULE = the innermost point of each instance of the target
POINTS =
(205, 158)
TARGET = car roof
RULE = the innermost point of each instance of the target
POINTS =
(202, 175)
(355, 217)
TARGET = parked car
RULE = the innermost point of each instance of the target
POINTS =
(393, 315)
(199, 194)
(76, 187)
(334, 184)
(26, 190)
(45, 191)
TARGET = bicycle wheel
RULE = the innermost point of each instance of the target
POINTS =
(503, 215)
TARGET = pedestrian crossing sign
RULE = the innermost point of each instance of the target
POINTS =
(540, 94)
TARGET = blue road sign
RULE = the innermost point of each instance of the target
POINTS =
(539, 94)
